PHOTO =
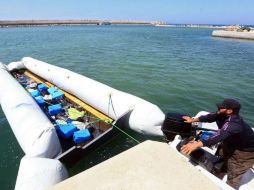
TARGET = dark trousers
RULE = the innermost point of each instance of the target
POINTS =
(237, 164)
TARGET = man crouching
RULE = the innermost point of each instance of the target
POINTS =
(237, 139)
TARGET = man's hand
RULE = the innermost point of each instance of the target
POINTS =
(190, 120)
(187, 119)
(190, 147)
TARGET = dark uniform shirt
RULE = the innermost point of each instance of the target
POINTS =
(238, 134)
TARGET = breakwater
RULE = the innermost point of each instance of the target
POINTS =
(192, 26)
(233, 34)
(15, 23)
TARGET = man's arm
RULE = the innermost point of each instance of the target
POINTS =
(211, 117)
(228, 129)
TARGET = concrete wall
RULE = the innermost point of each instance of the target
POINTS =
(233, 34)
(147, 166)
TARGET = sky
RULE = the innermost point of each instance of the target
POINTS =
(170, 11)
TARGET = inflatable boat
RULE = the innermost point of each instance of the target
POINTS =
(57, 115)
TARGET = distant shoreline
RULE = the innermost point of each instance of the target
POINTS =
(30, 23)
(22, 23)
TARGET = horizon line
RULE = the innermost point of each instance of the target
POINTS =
(102, 21)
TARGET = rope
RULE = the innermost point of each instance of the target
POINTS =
(126, 134)
(113, 126)
(111, 102)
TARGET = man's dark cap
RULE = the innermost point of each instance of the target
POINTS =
(229, 104)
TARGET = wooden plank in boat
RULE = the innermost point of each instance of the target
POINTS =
(72, 98)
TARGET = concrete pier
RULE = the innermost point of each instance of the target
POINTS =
(149, 165)
(233, 34)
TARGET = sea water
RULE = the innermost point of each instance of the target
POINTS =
(182, 70)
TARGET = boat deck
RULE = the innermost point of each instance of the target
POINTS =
(98, 124)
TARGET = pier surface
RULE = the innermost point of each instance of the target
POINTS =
(233, 34)
(149, 165)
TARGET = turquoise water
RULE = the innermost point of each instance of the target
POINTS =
(179, 69)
